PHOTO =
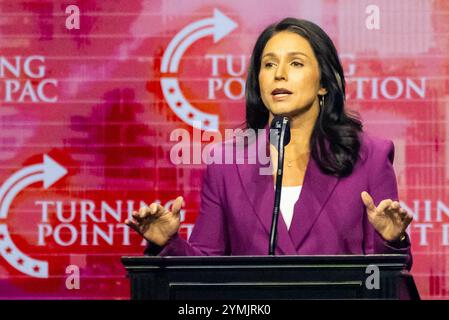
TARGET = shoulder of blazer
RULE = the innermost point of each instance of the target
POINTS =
(375, 149)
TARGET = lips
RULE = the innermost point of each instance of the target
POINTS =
(280, 94)
(280, 91)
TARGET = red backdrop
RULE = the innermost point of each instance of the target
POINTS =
(86, 118)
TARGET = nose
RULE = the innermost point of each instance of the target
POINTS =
(281, 72)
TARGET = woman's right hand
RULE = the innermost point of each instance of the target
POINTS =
(155, 223)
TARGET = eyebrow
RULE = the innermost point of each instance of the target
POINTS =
(294, 53)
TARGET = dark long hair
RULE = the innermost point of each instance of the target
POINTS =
(335, 141)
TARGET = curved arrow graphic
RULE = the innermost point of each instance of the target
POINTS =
(174, 64)
(13, 179)
(49, 172)
(181, 106)
(18, 259)
(218, 26)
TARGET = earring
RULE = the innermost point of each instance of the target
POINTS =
(321, 101)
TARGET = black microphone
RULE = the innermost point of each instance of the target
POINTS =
(279, 137)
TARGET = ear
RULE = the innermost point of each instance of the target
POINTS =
(322, 92)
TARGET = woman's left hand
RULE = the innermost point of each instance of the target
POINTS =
(388, 218)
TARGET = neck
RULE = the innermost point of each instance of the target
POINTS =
(301, 127)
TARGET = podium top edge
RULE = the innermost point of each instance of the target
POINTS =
(164, 261)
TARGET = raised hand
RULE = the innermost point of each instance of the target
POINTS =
(155, 223)
(388, 218)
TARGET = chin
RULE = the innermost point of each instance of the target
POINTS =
(289, 111)
(284, 111)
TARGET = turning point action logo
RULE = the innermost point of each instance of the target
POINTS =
(49, 171)
(217, 26)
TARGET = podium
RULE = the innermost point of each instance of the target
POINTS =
(270, 277)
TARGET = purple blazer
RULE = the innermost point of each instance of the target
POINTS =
(329, 216)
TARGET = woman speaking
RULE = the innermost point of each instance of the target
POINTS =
(339, 192)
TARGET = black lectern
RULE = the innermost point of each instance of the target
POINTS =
(270, 277)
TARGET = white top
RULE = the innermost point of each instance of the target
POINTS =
(289, 196)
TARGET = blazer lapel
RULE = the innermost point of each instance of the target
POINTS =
(259, 189)
(316, 190)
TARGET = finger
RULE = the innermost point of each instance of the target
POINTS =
(401, 216)
(153, 210)
(157, 210)
(396, 212)
(136, 216)
(142, 213)
(384, 204)
(394, 209)
(395, 205)
(368, 200)
(396, 215)
(403, 213)
(132, 224)
(177, 204)
(407, 220)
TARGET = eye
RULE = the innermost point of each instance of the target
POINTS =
(268, 64)
(297, 64)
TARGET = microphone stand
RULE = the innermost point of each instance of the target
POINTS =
(277, 196)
